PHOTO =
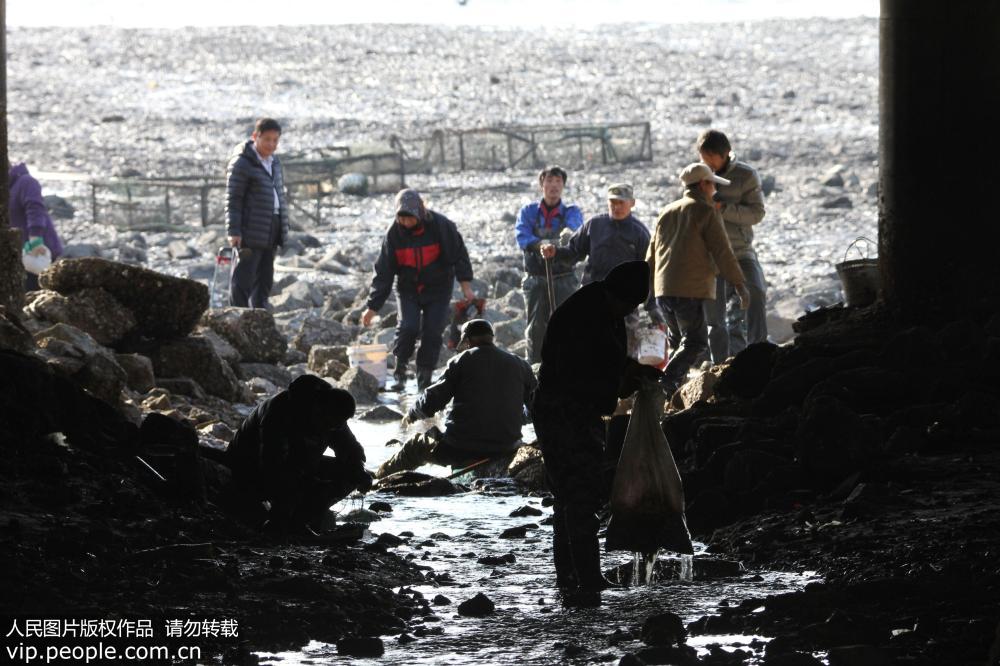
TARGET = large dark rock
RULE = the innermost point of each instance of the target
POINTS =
(749, 372)
(194, 357)
(478, 606)
(321, 331)
(710, 509)
(870, 390)
(749, 469)
(684, 655)
(362, 647)
(251, 331)
(360, 384)
(38, 400)
(138, 370)
(11, 270)
(164, 306)
(832, 441)
(663, 629)
(13, 334)
(328, 360)
(275, 374)
(78, 356)
(790, 388)
(94, 311)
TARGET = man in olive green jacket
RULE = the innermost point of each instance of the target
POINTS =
(741, 204)
(688, 248)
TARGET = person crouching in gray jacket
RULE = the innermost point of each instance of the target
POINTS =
(742, 206)
(489, 389)
(256, 214)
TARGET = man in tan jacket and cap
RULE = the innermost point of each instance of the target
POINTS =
(688, 249)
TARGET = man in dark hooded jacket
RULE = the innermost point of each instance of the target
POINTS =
(424, 253)
(277, 455)
(585, 369)
(256, 214)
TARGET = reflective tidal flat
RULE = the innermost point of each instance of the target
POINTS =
(450, 535)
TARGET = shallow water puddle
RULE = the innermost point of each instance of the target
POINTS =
(529, 626)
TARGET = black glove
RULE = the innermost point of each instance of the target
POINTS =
(635, 375)
(364, 480)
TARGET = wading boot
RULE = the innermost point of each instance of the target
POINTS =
(424, 378)
(398, 379)
(579, 597)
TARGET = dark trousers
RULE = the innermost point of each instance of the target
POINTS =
(572, 443)
(687, 333)
(298, 497)
(253, 276)
(423, 317)
(536, 305)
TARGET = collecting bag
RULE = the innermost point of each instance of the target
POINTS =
(647, 497)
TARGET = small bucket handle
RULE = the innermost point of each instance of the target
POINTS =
(868, 243)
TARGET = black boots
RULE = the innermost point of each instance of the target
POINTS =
(398, 376)
(424, 378)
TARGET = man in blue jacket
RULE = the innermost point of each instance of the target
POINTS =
(424, 253)
(256, 214)
(538, 228)
(28, 214)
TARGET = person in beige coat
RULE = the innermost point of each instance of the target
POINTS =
(688, 249)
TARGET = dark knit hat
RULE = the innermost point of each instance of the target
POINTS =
(629, 281)
(317, 392)
(475, 328)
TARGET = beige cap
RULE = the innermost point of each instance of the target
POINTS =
(620, 192)
(699, 171)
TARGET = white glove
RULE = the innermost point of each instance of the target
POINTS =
(413, 415)
(744, 295)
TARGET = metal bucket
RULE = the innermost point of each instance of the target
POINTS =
(859, 277)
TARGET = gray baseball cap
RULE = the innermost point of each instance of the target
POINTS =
(620, 192)
(408, 202)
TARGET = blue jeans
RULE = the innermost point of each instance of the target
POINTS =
(731, 329)
(424, 317)
(687, 333)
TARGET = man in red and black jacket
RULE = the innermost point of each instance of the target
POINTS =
(425, 253)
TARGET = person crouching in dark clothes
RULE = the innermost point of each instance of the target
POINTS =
(277, 455)
(584, 371)
(488, 389)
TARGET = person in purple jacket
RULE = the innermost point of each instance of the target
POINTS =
(29, 214)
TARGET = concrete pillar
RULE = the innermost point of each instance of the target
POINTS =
(939, 203)
(11, 270)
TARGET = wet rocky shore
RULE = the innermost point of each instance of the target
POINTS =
(865, 450)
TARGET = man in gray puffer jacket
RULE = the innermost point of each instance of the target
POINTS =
(742, 206)
(256, 213)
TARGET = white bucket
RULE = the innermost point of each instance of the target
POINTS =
(371, 359)
(652, 346)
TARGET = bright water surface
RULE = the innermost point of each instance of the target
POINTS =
(529, 626)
